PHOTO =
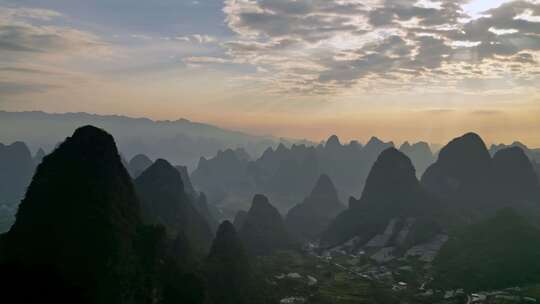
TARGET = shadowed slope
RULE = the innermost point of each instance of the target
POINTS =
(165, 202)
(79, 219)
(310, 218)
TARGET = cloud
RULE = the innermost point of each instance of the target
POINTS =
(197, 38)
(314, 46)
(19, 34)
(34, 43)
(45, 39)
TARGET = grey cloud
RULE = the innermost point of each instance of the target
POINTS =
(394, 37)
(28, 38)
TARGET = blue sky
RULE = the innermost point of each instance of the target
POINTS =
(259, 65)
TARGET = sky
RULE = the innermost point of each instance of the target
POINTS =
(398, 69)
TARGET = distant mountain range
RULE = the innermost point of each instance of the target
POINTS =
(181, 142)
(95, 228)
(288, 174)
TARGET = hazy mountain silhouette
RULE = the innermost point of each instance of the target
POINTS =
(180, 141)
(38, 157)
(392, 192)
(165, 202)
(138, 164)
(532, 154)
(286, 175)
(239, 219)
(311, 217)
(420, 155)
(217, 176)
(264, 230)
(496, 253)
(374, 147)
(16, 170)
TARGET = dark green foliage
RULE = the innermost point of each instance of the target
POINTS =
(165, 202)
(79, 217)
(228, 269)
(264, 230)
(500, 252)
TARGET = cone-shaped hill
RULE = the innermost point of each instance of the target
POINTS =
(138, 164)
(264, 230)
(165, 202)
(78, 221)
(392, 197)
(310, 218)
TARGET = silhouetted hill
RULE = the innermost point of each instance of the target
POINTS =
(496, 253)
(165, 202)
(228, 268)
(263, 230)
(420, 155)
(473, 185)
(462, 176)
(392, 194)
(515, 175)
(532, 154)
(78, 221)
(138, 164)
(310, 218)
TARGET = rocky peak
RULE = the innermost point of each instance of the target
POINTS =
(264, 230)
(333, 142)
(391, 172)
(324, 188)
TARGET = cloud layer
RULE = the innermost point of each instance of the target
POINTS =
(316, 47)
